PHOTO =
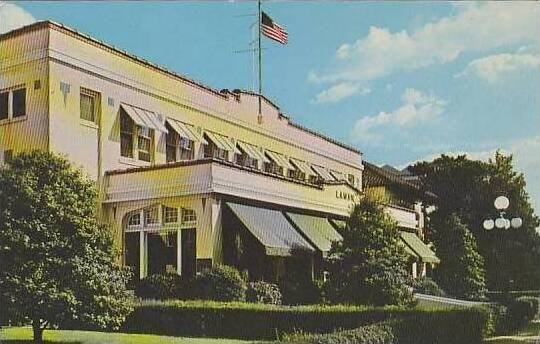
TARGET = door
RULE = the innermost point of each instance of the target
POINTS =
(162, 248)
(189, 252)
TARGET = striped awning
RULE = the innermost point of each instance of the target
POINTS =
(186, 131)
(323, 173)
(338, 175)
(280, 160)
(317, 229)
(222, 142)
(420, 249)
(271, 229)
(302, 166)
(144, 118)
(338, 223)
(252, 151)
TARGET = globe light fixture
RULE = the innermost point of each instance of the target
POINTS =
(502, 203)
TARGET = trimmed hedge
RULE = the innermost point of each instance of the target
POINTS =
(258, 321)
(370, 334)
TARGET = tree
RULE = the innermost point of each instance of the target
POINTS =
(461, 271)
(369, 264)
(467, 188)
(57, 263)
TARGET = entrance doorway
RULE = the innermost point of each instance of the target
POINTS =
(162, 253)
(189, 252)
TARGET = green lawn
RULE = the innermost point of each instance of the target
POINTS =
(530, 334)
(23, 335)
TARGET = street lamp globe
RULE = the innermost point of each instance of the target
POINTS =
(500, 223)
(489, 224)
(501, 203)
(516, 222)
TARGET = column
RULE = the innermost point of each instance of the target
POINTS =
(179, 252)
(143, 250)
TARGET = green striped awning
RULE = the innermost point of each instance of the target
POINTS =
(317, 229)
(271, 229)
(418, 247)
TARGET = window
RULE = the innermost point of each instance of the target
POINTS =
(246, 160)
(315, 179)
(126, 135)
(351, 179)
(19, 102)
(297, 174)
(170, 215)
(188, 215)
(144, 143)
(272, 167)
(171, 142)
(186, 149)
(151, 216)
(134, 220)
(4, 107)
(88, 106)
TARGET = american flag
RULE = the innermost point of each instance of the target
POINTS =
(272, 30)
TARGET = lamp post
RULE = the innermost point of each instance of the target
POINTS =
(501, 204)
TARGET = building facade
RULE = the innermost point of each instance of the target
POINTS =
(188, 176)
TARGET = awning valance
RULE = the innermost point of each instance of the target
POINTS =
(420, 249)
(302, 166)
(322, 172)
(144, 118)
(338, 175)
(253, 151)
(317, 229)
(186, 131)
(271, 229)
(280, 160)
(222, 142)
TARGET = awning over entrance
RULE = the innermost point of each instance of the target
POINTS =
(318, 230)
(271, 229)
(186, 131)
(418, 247)
(322, 172)
(144, 118)
(253, 151)
(302, 166)
(222, 142)
(280, 160)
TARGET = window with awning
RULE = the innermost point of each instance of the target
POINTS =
(271, 229)
(186, 131)
(338, 175)
(280, 160)
(317, 229)
(222, 142)
(252, 151)
(323, 173)
(418, 247)
(144, 118)
(302, 166)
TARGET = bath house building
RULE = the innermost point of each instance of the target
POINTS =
(189, 176)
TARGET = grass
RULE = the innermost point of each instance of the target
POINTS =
(530, 334)
(23, 335)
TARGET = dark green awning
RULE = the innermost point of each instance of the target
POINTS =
(271, 229)
(317, 229)
(413, 242)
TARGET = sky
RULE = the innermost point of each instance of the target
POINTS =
(401, 81)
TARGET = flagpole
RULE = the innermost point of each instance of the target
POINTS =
(260, 62)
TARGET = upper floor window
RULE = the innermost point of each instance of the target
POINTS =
(170, 215)
(245, 160)
(126, 135)
(13, 103)
(144, 143)
(135, 219)
(297, 174)
(151, 216)
(178, 148)
(272, 167)
(188, 215)
(88, 105)
(351, 179)
(213, 151)
(135, 140)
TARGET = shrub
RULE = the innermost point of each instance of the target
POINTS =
(262, 292)
(369, 334)
(267, 322)
(161, 286)
(305, 292)
(221, 283)
(426, 285)
(520, 312)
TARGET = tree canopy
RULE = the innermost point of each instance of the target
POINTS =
(57, 263)
(369, 264)
(468, 188)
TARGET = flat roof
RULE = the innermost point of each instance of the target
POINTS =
(136, 59)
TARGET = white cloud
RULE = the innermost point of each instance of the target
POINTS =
(13, 17)
(417, 107)
(474, 27)
(526, 158)
(341, 91)
(492, 68)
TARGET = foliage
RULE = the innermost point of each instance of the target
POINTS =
(221, 283)
(369, 264)
(369, 334)
(520, 312)
(426, 285)
(467, 188)
(57, 263)
(267, 322)
(263, 292)
(461, 271)
(302, 292)
(163, 286)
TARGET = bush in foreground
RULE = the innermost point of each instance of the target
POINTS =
(262, 292)
(162, 286)
(221, 283)
(426, 285)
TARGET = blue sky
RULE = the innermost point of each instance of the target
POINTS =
(402, 81)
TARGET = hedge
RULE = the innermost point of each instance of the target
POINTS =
(502, 296)
(382, 333)
(258, 321)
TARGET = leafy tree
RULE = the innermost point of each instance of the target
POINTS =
(57, 263)
(467, 188)
(369, 264)
(461, 271)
